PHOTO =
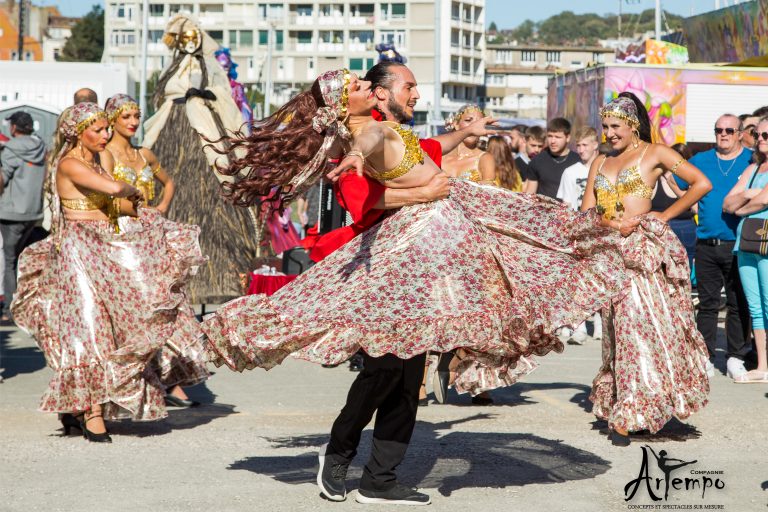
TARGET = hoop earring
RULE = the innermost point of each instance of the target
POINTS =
(80, 147)
(635, 139)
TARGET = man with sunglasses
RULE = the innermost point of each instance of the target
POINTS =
(748, 132)
(716, 234)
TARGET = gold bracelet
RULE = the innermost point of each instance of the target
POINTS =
(673, 169)
(357, 152)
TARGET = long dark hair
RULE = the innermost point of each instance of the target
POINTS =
(644, 130)
(276, 149)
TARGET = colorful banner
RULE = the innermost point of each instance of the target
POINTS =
(663, 52)
(728, 35)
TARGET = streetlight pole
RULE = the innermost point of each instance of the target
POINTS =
(437, 114)
(268, 86)
(143, 71)
(658, 20)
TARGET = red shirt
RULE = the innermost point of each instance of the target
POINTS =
(358, 195)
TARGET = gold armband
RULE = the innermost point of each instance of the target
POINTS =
(673, 169)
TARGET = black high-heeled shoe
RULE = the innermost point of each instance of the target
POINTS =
(618, 439)
(93, 436)
(69, 421)
(174, 401)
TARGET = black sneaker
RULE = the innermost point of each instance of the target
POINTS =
(356, 363)
(331, 476)
(398, 495)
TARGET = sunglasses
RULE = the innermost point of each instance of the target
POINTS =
(762, 135)
(729, 131)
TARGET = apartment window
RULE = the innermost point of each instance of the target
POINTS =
(217, 35)
(362, 10)
(270, 11)
(27, 55)
(241, 38)
(156, 10)
(504, 56)
(263, 37)
(177, 8)
(396, 37)
(124, 11)
(553, 57)
(528, 56)
(576, 64)
(155, 36)
(304, 37)
(598, 57)
(56, 54)
(465, 66)
(393, 11)
(361, 36)
(123, 37)
(331, 36)
(304, 10)
(211, 8)
(455, 11)
(455, 65)
(332, 10)
(360, 64)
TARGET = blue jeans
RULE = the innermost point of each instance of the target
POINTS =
(685, 229)
(753, 270)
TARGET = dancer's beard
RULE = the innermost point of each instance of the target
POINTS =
(398, 112)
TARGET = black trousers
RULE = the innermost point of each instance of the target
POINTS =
(15, 235)
(388, 386)
(716, 267)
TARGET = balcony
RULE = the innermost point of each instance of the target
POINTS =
(362, 20)
(357, 46)
(302, 47)
(337, 19)
(301, 19)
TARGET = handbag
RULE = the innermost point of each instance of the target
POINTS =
(754, 232)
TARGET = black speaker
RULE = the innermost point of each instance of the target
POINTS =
(332, 215)
(296, 261)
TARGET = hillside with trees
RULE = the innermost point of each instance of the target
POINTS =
(570, 29)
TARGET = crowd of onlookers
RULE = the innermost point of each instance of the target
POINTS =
(543, 160)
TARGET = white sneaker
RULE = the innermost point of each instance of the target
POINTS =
(735, 367)
(578, 338)
(710, 369)
(563, 334)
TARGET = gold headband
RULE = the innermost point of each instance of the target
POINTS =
(118, 111)
(345, 93)
(88, 121)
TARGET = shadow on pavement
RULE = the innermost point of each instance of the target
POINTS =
(675, 430)
(447, 461)
(178, 418)
(16, 361)
(514, 395)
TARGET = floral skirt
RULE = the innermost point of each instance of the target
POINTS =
(110, 313)
(489, 270)
(654, 358)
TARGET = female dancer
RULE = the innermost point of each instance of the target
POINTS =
(103, 293)
(468, 161)
(487, 270)
(653, 356)
(136, 166)
(139, 167)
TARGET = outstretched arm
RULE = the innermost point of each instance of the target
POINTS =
(479, 128)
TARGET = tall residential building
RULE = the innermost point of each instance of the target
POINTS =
(310, 37)
(516, 76)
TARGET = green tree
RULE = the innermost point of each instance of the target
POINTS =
(492, 27)
(86, 44)
(524, 31)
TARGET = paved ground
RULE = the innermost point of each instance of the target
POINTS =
(253, 445)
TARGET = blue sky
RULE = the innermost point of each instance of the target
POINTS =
(506, 13)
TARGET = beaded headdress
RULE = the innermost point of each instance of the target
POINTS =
(80, 117)
(118, 104)
(329, 119)
(450, 123)
(621, 108)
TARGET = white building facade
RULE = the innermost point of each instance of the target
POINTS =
(308, 38)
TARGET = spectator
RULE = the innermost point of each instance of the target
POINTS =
(534, 143)
(545, 171)
(667, 192)
(85, 95)
(574, 179)
(716, 264)
(749, 125)
(761, 112)
(517, 139)
(749, 200)
(506, 173)
(21, 201)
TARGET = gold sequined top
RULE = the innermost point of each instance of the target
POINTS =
(413, 153)
(143, 179)
(92, 201)
(629, 182)
(471, 175)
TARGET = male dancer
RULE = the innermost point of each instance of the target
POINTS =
(387, 385)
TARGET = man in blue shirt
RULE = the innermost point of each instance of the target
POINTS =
(715, 262)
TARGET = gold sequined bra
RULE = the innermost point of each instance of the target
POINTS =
(143, 179)
(629, 182)
(92, 201)
(413, 154)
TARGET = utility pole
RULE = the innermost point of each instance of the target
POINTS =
(437, 115)
(620, 1)
(658, 20)
(22, 15)
(143, 71)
